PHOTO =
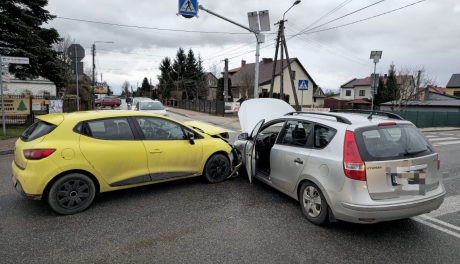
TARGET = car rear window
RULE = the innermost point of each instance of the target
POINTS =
(392, 143)
(37, 130)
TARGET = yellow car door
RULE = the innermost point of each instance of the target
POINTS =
(169, 152)
(111, 147)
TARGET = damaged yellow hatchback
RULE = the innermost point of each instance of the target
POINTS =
(68, 159)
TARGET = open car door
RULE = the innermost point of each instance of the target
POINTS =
(249, 153)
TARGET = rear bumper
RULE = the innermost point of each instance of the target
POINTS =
(18, 187)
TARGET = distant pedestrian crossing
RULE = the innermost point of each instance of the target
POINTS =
(443, 139)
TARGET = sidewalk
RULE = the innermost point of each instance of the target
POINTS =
(232, 123)
(7, 146)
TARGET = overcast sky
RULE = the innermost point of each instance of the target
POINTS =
(423, 34)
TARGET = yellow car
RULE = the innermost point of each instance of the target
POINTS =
(68, 159)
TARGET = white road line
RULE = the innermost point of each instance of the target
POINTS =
(431, 136)
(441, 139)
(447, 231)
(446, 143)
(446, 134)
(441, 222)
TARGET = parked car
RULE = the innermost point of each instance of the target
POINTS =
(153, 107)
(107, 101)
(68, 159)
(360, 168)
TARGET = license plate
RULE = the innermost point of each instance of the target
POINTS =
(393, 179)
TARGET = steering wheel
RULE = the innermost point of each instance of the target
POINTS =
(160, 133)
(272, 138)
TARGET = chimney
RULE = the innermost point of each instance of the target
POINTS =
(243, 63)
(267, 60)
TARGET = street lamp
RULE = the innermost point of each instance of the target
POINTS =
(376, 56)
(94, 67)
(295, 3)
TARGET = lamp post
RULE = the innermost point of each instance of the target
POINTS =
(94, 68)
(376, 56)
(295, 3)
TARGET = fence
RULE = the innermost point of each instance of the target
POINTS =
(431, 119)
(69, 105)
(204, 106)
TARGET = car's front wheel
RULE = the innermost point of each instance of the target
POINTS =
(313, 204)
(71, 194)
(217, 169)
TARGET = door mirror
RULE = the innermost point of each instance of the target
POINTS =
(243, 136)
(191, 137)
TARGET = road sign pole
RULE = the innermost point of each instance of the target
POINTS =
(3, 105)
(372, 104)
(301, 102)
(76, 74)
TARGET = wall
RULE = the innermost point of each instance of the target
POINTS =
(319, 102)
(19, 87)
(451, 91)
(367, 93)
(343, 93)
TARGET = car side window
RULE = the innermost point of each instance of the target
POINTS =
(111, 129)
(323, 136)
(295, 133)
(155, 128)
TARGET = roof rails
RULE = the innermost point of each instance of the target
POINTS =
(360, 111)
(339, 118)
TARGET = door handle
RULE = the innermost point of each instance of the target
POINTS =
(156, 151)
(298, 161)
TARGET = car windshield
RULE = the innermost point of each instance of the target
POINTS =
(150, 106)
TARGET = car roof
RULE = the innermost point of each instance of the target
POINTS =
(88, 115)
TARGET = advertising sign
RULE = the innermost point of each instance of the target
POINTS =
(38, 105)
(55, 106)
(316, 109)
(100, 88)
(16, 106)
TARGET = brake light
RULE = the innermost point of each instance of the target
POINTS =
(387, 124)
(36, 154)
(353, 165)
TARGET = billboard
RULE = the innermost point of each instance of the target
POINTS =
(16, 106)
(55, 106)
(38, 105)
(100, 88)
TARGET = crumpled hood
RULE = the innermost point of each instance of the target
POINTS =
(252, 111)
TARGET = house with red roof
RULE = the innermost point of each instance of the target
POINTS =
(361, 88)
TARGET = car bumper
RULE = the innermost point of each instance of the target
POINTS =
(383, 210)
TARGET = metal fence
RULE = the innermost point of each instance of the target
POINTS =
(204, 106)
(431, 119)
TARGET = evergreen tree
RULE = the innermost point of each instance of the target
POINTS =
(392, 84)
(21, 35)
(166, 70)
(179, 67)
(382, 93)
(145, 88)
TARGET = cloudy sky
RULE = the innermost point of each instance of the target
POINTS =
(425, 34)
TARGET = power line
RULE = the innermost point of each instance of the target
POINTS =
(329, 13)
(162, 29)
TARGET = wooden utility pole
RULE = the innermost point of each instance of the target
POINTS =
(294, 91)
(276, 60)
(226, 81)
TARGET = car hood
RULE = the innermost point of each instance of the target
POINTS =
(252, 111)
(205, 128)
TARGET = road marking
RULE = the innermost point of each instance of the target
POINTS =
(440, 139)
(446, 143)
(431, 136)
(447, 231)
(446, 134)
(441, 222)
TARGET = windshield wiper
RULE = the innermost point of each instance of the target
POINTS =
(414, 153)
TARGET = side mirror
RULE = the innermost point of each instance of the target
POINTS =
(191, 138)
(243, 136)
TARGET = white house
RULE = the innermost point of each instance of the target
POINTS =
(39, 86)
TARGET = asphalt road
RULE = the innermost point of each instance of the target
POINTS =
(190, 221)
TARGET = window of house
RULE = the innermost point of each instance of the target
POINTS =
(362, 92)
(314, 100)
(110, 129)
(348, 93)
(457, 93)
(236, 93)
(209, 82)
(293, 75)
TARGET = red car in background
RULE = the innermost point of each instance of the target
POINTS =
(107, 101)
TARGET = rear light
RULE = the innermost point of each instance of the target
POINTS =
(367, 220)
(387, 124)
(36, 154)
(353, 165)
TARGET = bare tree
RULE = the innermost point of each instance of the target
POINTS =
(63, 59)
(409, 81)
(216, 71)
(330, 92)
(125, 88)
(246, 86)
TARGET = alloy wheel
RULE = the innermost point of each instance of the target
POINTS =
(72, 194)
(312, 201)
(218, 168)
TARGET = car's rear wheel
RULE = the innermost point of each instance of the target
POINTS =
(71, 194)
(217, 169)
(313, 204)
(98, 105)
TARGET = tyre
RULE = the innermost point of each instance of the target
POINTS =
(217, 169)
(71, 194)
(313, 204)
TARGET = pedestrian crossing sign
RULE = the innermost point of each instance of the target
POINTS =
(303, 85)
(188, 8)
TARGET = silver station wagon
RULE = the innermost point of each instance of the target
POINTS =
(356, 167)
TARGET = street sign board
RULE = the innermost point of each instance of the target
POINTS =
(189, 8)
(264, 20)
(303, 85)
(5, 69)
(80, 67)
(5, 79)
(375, 80)
(228, 97)
(15, 60)
(374, 91)
(80, 52)
(253, 18)
(5, 87)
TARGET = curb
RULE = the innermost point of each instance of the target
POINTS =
(179, 114)
(6, 152)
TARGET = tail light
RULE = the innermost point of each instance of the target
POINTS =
(387, 124)
(353, 165)
(36, 154)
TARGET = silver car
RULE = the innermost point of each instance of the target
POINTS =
(355, 167)
(153, 107)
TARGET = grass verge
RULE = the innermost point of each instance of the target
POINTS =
(11, 133)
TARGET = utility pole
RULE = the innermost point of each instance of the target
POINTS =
(94, 76)
(282, 63)
(226, 81)
(76, 74)
(418, 82)
(276, 59)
